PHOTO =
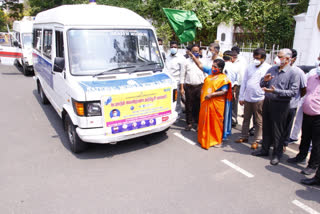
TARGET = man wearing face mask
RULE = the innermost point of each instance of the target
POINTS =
(232, 73)
(295, 100)
(193, 78)
(252, 96)
(280, 84)
(175, 65)
(298, 122)
(310, 123)
(163, 53)
(212, 54)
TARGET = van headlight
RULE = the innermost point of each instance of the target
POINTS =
(87, 109)
(93, 109)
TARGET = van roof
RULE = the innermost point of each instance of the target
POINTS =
(24, 26)
(91, 15)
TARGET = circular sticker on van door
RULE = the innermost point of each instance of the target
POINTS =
(114, 114)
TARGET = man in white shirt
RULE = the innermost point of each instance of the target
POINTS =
(175, 65)
(240, 62)
(252, 96)
(192, 77)
(232, 73)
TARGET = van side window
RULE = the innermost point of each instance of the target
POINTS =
(18, 37)
(59, 44)
(47, 39)
(37, 39)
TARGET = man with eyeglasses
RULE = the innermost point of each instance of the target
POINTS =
(280, 84)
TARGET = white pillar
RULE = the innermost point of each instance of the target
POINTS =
(225, 36)
(307, 34)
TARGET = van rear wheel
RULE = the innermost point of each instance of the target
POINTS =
(25, 70)
(43, 96)
(76, 144)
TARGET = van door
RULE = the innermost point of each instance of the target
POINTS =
(42, 61)
(47, 65)
(59, 84)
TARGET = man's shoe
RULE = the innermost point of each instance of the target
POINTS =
(308, 171)
(241, 140)
(296, 160)
(311, 181)
(275, 161)
(260, 153)
(292, 140)
(188, 127)
(251, 131)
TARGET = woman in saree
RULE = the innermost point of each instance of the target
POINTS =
(215, 110)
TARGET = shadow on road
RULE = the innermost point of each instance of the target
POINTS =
(96, 151)
(309, 193)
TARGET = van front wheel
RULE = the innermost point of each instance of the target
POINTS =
(76, 144)
(43, 96)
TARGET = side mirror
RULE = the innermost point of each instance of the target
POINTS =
(58, 64)
(16, 44)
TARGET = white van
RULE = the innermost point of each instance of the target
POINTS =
(100, 68)
(22, 38)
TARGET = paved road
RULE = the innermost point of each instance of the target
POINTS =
(161, 173)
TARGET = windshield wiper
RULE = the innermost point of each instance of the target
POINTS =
(113, 69)
(151, 63)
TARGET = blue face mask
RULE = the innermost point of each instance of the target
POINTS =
(196, 54)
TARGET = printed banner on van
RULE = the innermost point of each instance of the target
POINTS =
(137, 110)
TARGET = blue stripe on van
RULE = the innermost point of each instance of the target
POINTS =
(106, 85)
(44, 68)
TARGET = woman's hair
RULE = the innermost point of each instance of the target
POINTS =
(220, 63)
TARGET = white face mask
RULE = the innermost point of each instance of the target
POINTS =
(256, 62)
(209, 55)
(173, 51)
(317, 63)
(277, 61)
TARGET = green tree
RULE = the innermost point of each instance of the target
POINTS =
(264, 21)
(3, 21)
(38, 6)
(15, 9)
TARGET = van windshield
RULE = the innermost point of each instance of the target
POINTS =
(27, 40)
(94, 51)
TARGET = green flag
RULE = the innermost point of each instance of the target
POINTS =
(184, 23)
